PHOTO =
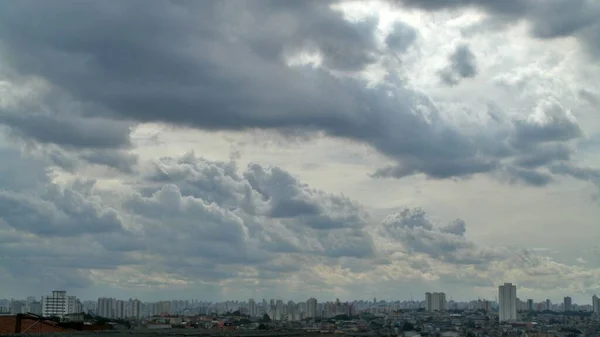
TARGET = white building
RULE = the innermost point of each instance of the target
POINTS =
(596, 305)
(435, 301)
(74, 305)
(55, 304)
(507, 295)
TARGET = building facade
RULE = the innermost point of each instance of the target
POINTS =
(55, 304)
(567, 304)
(311, 308)
(435, 301)
(507, 295)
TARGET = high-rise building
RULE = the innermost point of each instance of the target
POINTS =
(135, 308)
(435, 301)
(106, 307)
(567, 304)
(119, 309)
(252, 309)
(55, 304)
(530, 305)
(17, 307)
(74, 305)
(507, 295)
(311, 308)
(596, 305)
(35, 308)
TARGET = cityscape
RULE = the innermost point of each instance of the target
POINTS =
(300, 168)
(434, 315)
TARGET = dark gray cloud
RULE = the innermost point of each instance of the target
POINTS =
(119, 160)
(462, 64)
(544, 155)
(31, 202)
(582, 173)
(216, 65)
(515, 175)
(69, 131)
(547, 19)
(57, 212)
(417, 234)
(154, 72)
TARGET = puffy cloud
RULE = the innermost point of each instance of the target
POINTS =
(547, 19)
(277, 213)
(416, 234)
(179, 228)
(401, 37)
(463, 64)
(243, 72)
(77, 85)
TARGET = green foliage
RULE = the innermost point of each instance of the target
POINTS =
(407, 326)
(265, 319)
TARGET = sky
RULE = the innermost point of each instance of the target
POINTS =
(288, 149)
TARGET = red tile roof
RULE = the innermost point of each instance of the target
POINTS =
(29, 324)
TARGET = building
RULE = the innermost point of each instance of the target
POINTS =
(530, 305)
(17, 307)
(252, 309)
(567, 304)
(311, 308)
(119, 309)
(435, 301)
(106, 307)
(596, 305)
(26, 323)
(35, 308)
(135, 308)
(507, 295)
(74, 305)
(55, 304)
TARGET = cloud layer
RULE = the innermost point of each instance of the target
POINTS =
(90, 206)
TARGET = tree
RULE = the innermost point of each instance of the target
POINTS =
(408, 327)
(342, 317)
(245, 321)
(265, 318)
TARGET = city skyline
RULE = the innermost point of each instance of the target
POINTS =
(61, 304)
(431, 301)
(296, 149)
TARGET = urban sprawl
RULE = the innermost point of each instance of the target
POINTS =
(432, 316)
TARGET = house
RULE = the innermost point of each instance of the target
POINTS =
(28, 323)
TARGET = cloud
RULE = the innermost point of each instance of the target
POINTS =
(179, 228)
(69, 131)
(547, 19)
(401, 37)
(77, 85)
(463, 64)
(155, 73)
(416, 234)
(302, 219)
